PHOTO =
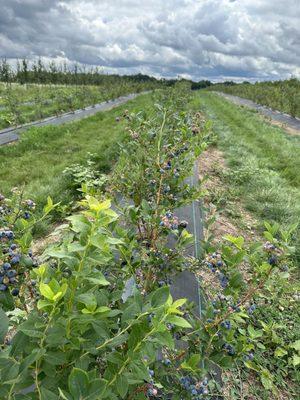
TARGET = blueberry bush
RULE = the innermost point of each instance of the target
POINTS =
(100, 322)
(16, 259)
(279, 95)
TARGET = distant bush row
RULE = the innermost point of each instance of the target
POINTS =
(280, 95)
(54, 73)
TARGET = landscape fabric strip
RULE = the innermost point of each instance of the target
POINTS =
(291, 122)
(186, 284)
(9, 135)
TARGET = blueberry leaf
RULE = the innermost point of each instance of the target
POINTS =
(4, 323)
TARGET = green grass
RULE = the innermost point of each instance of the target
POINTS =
(264, 161)
(38, 159)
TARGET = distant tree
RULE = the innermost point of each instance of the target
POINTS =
(24, 72)
(200, 85)
(5, 71)
(53, 72)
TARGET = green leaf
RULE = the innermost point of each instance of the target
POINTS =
(89, 300)
(46, 291)
(192, 363)
(64, 395)
(165, 338)
(9, 370)
(114, 241)
(47, 394)
(43, 304)
(253, 333)
(178, 303)
(98, 279)
(266, 379)
(178, 321)
(296, 360)
(268, 236)
(160, 296)
(296, 345)
(122, 385)
(49, 206)
(36, 354)
(6, 300)
(78, 383)
(56, 357)
(238, 241)
(140, 372)
(4, 323)
(96, 389)
(280, 352)
(236, 280)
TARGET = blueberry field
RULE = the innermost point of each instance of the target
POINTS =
(283, 96)
(20, 104)
(147, 252)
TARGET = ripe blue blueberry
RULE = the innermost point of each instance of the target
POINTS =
(2, 287)
(9, 235)
(251, 309)
(6, 266)
(15, 292)
(226, 324)
(11, 273)
(272, 260)
(15, 260)
(26, 215)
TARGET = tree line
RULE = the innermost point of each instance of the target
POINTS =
(62, 73)
(65, 74)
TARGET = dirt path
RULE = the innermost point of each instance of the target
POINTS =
(11, 134)
(292, 125)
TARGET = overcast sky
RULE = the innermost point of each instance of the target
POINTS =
(198, 39)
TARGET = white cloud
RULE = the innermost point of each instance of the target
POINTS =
(212, 39)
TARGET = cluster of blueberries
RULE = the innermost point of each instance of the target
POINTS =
(249, 357)
(152, 391)
(226, 324)
(220, 301)
(29, 205)
(167, 166)
(8, 275)
(273, 253)
(12, 256)
(9, 269)
(198, 390)
(214, 263)
(170, 221)
(229, 349)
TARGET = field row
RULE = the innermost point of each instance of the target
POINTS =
(76, 332)
(283, 96)
(20, 104)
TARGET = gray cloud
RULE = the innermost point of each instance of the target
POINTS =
(215, 39)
